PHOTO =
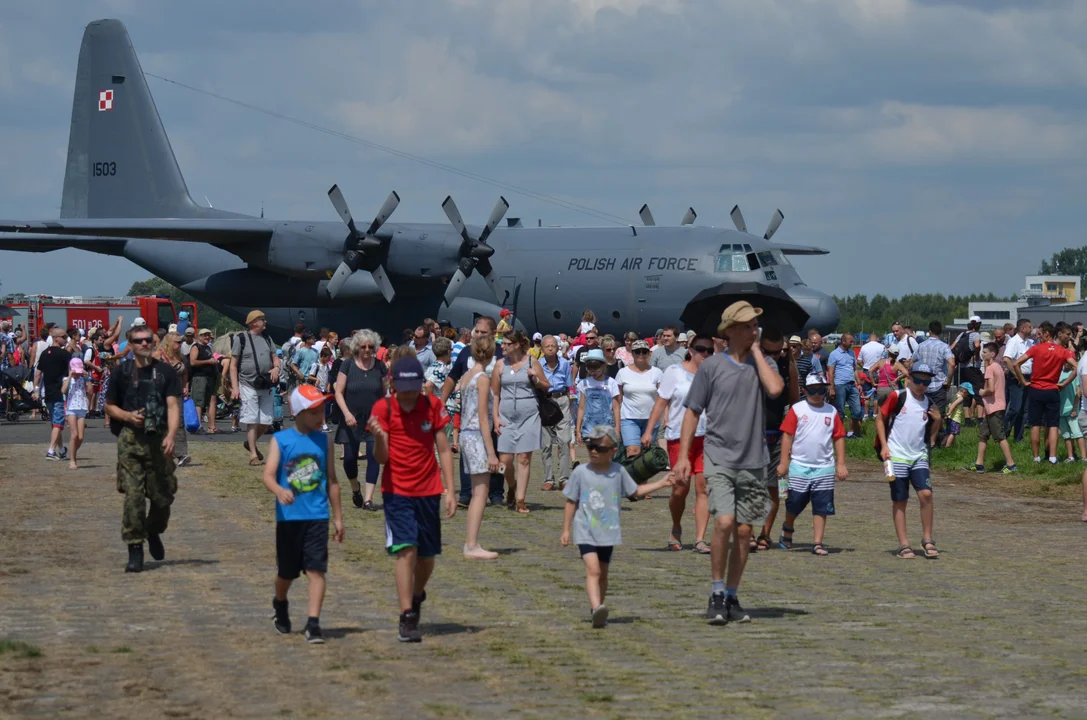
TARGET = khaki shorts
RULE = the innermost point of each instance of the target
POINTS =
(257, 406)
(740, 493)
(992, 427)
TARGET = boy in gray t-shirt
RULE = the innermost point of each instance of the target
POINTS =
(592, 500)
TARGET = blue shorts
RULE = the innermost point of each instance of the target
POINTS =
(76, 413)
(603, 552)
(848, 396)
(906, 474)
(632, 431)
(56, 414)
(953, 428)
(813, 485)
(413, 522)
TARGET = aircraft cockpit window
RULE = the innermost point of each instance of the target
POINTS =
(724, 264)
(780, 257)
(752, 261)
(739, 263)
(747, 248)
(766, 258)
(738, 248)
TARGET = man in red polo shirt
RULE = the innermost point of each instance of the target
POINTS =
(406, 427)
(1043, 395)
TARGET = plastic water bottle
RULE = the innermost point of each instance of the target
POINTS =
(889, 470)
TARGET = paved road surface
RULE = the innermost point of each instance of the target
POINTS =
(996, 627)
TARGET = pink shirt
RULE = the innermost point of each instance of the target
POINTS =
(995, 402)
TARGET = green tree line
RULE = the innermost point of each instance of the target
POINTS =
(859, 314)
(209, 317)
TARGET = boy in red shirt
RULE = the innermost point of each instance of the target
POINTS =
(406, 427)
(1043, 396)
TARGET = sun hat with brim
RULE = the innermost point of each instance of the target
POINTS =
(204, 331)
(594, 355)
(795, 340)
(738, 312)
(307, 397)
(253, 316)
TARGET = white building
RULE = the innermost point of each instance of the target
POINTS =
(1038, 291)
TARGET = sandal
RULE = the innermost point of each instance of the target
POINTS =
(701, 548)
(818, 549)
(786, 543)
(906, 552)
(522, 508)
(763, 542)
(548, 486)
(675, 542)
(930, 554)
(256, 462)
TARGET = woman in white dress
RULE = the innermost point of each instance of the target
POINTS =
(476, 448)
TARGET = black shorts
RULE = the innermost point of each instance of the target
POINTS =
(301, 545)
(603, 552)
(1043, 407)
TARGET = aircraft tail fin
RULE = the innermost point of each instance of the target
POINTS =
(120, 163)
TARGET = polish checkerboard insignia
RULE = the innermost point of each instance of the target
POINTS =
(105, 100)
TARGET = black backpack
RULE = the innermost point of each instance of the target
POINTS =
(963, 350)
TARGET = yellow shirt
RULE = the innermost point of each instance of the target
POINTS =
(536, 352)
(503, 328)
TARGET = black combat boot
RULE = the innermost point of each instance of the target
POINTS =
(154, 544)
(135, 558)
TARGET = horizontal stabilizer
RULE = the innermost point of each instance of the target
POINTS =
(217, 231)
(801, 249)
(45, 242)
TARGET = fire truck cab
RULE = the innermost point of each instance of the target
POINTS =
(87, 313)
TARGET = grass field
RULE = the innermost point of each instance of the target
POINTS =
(964, 452)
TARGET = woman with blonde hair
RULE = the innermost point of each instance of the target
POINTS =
(516, 415)
(478, 456)
(169, 352)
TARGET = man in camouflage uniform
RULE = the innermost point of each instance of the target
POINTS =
(143, 404)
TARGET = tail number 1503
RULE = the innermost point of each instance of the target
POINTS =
(104, 169)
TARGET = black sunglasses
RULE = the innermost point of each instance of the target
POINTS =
(597, 447)
(703, 349)
(142, 341)
(641, 351)
(926, 381)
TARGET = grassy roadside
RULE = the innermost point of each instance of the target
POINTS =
(1061, 480)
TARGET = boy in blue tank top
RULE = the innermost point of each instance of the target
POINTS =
(304, 482)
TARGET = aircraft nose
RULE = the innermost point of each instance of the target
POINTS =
(823, 314)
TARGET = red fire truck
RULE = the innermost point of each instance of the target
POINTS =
(86, 313)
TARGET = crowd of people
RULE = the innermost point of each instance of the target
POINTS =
(747, 416)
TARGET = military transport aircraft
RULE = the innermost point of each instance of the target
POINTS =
(124, 195)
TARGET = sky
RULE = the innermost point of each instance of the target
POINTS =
(932, 146)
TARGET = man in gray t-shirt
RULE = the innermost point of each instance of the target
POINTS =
(729, 387)
(253, 356)
(669, 352)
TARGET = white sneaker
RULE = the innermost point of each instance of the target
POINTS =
(324, 428)
(184, 460)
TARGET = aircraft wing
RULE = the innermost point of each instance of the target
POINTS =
(217, 231)
(44, 242)
(799, 249)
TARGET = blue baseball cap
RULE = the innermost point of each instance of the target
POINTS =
(921, 369)
(408, 374)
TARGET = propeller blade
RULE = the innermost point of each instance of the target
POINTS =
(646, 216)
(490, 276)
(455, 284)
(383, 283)
(738, 219)
(338, 279)
(383, 214)
(689, 217)
(497, 214)
(775, 223)
(340, 204)
(453, 214)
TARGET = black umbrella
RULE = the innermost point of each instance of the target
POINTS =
(7, 311)
(703, 313)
